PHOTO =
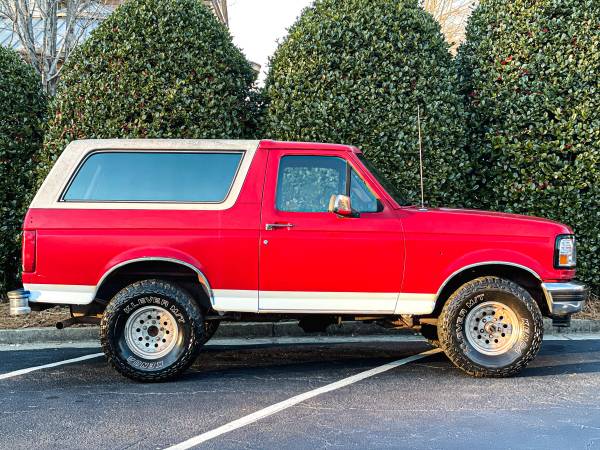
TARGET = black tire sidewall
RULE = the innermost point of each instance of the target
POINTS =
(453, 332)
(523, 316)
(121, 346)
(152, 293)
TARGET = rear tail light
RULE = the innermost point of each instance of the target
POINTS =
(29, 241)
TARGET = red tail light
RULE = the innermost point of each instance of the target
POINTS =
(29, 238)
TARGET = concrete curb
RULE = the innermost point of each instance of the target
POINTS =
(48, 335)
(254, 330)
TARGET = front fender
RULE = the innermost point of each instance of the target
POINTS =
(484, 257)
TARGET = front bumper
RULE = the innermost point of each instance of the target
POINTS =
(565, 299)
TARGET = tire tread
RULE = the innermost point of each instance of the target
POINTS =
(453, 305)
(150, 287)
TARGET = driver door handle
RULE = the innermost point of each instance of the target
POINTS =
(273, 226)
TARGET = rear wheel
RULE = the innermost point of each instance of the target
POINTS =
(491, 327)
(152, 330)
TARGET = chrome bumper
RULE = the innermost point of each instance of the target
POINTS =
(565, 299)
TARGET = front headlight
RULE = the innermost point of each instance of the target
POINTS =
(565, 256)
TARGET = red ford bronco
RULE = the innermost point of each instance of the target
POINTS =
(161, 240)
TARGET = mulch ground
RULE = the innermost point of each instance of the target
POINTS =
(592, 309)
(49, 317)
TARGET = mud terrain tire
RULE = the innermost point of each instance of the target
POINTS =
(491, 327)
(152, 330)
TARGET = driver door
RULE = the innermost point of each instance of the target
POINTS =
(312, 260)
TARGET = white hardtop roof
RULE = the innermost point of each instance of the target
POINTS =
(48, 196)
(87, 145)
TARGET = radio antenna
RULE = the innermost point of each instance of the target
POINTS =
(421, 157)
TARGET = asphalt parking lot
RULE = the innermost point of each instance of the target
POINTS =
(423, 403)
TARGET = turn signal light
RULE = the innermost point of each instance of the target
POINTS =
(564, 252)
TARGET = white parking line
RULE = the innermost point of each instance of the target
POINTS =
(277, 407)
(16, 373)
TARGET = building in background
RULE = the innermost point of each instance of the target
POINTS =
(219, 7)
(452, 15)
(46, 32)
(85, 23)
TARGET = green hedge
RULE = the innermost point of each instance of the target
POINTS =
(530, 72)
(353, 71)
(22, 106)
(154, 69)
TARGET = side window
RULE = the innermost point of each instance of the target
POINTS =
(363, 200)
(305, 183)
(194, 177)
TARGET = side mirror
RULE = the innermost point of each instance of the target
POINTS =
(341, 205)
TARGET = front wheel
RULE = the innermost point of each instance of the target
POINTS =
(491, 327)
(152, 330)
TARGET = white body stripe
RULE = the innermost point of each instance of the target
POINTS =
(415, 304)
(322, 302)
(234, 300)
(327, 302)
(63, 294)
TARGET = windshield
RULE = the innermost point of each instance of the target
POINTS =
(387, 185)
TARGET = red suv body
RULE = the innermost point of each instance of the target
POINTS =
(294, 229)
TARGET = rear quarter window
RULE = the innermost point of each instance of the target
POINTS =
(120, 176)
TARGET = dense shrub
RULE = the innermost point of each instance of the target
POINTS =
(22, 107)
(154, 69)
(530, 72)
(353, 71)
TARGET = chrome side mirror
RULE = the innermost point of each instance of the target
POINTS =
(341, 205)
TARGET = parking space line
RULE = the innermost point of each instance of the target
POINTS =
(273, 409)
(16, 373)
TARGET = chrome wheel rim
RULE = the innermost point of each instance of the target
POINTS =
(492, 328)
(151, 332)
